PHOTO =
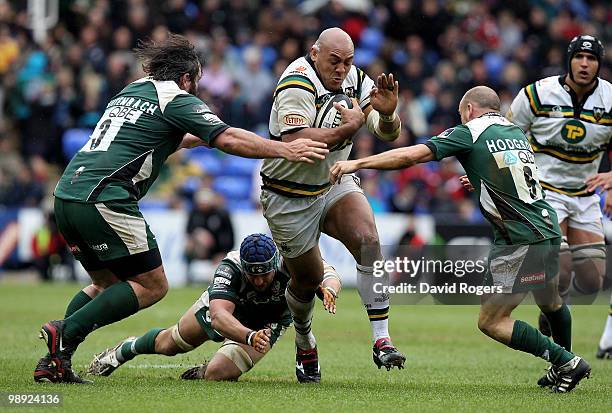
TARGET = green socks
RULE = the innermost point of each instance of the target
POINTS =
(115, 303)
(142, 345)
(78, 301)
(530, 340)
(561, 326)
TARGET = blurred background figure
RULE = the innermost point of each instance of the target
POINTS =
(50, 252)
(209, 228)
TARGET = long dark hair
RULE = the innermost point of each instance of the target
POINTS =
(170, 59)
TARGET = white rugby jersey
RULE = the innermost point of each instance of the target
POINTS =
(297, 97)
(568, 140)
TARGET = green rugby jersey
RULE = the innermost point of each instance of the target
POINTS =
(500, 164)
(140, 128)
(253, 308)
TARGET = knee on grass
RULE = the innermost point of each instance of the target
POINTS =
(230, 362)
(216, 372)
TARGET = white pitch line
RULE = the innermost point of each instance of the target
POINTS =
(153, 366)
(158, 366)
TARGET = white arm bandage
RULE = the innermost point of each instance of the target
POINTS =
(373, 126)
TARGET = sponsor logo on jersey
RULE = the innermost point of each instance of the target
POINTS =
(350, 91)
(211, 117)
(526, 157)
(557, 112)
(76, 174)
(294, 119)
(510, 158)
(221, 280)
(300, 69)
(224, 271)
(573, 131)
(100, 247)
(200, 108)
(446, 132)
(598, 113)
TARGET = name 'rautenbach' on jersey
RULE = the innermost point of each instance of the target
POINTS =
(141, 126)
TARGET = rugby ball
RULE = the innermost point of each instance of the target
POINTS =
(327, 115)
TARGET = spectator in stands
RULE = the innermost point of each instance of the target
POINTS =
(438, 50)
(258, 83)
(210, 234)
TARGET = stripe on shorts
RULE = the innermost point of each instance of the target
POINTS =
(132, 230)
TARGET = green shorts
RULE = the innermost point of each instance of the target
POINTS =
(202, 314)
(106, 233)
(521, 268)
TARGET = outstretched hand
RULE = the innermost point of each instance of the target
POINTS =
(601, 181)
(341, 168)
(328, 296)
(306, 150)
(384, 96)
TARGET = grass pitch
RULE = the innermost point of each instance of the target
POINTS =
(451, 366)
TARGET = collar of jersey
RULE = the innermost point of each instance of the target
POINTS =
(490, 114)
(573, 95)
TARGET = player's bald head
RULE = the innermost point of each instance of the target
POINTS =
(332, 55)
(334, 38)
(482, 97)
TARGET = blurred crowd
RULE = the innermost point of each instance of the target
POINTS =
(437, 49)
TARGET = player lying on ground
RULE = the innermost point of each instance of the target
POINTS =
(527, 234)
(244, 308)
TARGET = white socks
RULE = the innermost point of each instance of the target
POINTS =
(376, 304)
(302, 320)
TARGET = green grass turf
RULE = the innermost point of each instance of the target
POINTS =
(451, 366)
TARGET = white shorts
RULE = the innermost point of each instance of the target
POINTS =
(296, 223)
(581, 212)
